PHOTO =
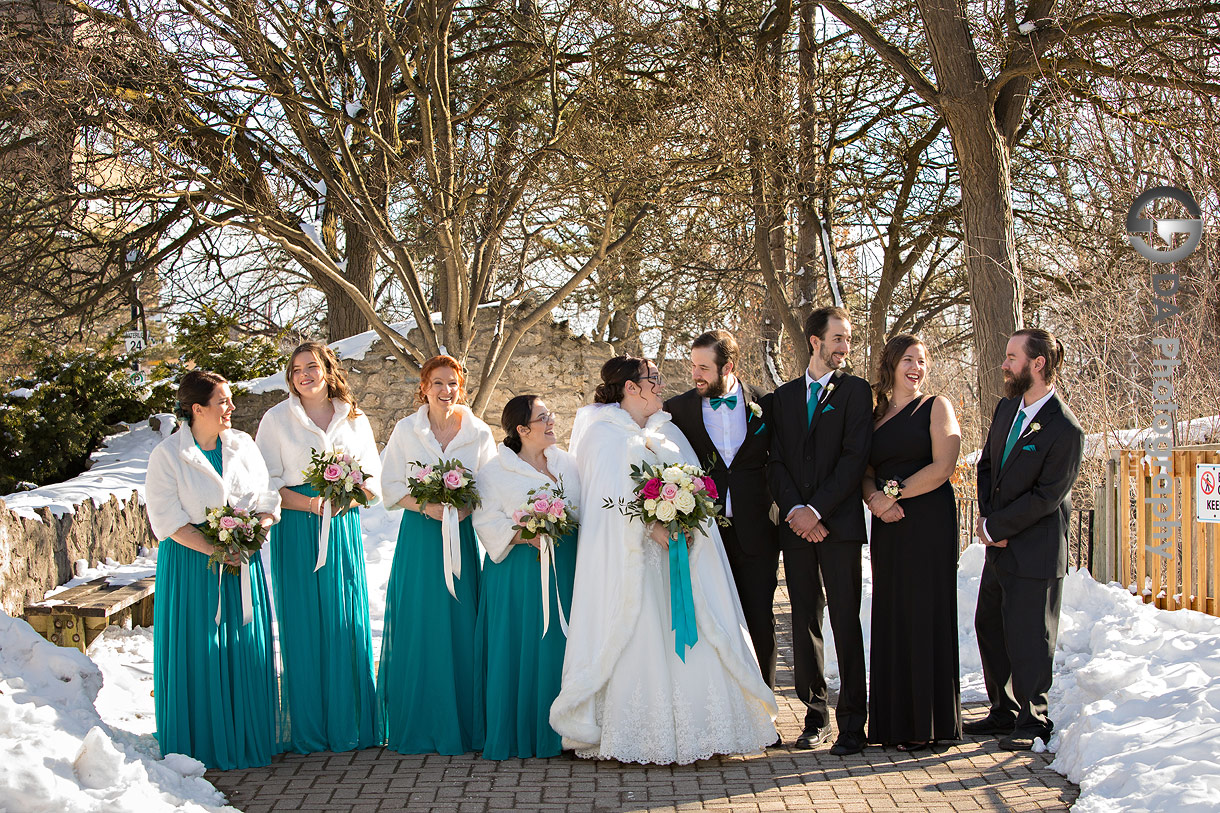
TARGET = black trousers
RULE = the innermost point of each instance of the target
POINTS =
(1017, 623)
(756, 574)
(827, 575)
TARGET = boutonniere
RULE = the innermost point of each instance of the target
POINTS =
(755, 409)
(830, 387)
(1033, 427)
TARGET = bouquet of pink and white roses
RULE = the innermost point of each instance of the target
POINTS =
(447, 483)
(546, 513)
(679, 496)
(235, 533)
(546, 516)
(337, 477)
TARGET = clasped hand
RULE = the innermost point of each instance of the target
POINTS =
(805, 524)
(885, 508)
(437, 511)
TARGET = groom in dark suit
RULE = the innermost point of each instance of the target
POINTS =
(1025, 476)
(725, 421)
(821, 433)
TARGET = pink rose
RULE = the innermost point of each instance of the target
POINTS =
(332, 472)
(651, 489)
(696, 484)
(347, 458)
(358, 477)
(669, 491)
(453, 478)
(229, 523)
(710, 485)
(541, 505)
(556, 509)
(519, 516)
(423, 474)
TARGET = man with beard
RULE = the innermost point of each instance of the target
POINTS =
(821, 433)
(725, 421)
(1025, 476)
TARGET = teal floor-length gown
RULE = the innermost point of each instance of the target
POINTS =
(521, 668)
(214, 685)
(326, 645)
(426, 679)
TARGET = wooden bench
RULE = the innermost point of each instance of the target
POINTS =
(78, 615)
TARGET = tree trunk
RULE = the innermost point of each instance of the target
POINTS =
(983, 163)
(343, 316)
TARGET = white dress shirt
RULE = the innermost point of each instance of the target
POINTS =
(727, 429)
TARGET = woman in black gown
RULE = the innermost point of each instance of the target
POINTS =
(914, 696)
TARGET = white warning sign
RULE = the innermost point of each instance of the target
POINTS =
(1207, 492)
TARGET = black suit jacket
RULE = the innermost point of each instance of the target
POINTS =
(1028, 500)
(822, 463)
(746, 477)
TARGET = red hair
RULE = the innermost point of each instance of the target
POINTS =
(431, 365)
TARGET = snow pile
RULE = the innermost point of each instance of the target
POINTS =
(56, 753)
(118, 468)
(1137, 701)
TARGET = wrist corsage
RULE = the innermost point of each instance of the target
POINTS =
(891, 488)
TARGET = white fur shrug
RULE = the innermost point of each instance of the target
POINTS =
(412, 441)
(504, 483)
(287, 437)
(181, 484)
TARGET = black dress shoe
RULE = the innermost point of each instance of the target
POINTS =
(988, 725)
(1017, 741)
(813, 737)
(847, 743)
(779, 741)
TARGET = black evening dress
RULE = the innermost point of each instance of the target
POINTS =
(915, 693)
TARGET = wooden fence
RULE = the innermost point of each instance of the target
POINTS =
(1183, 574)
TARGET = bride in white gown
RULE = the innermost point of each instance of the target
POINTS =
(625, 694)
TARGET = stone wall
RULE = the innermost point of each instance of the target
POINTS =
(550, 361)
(37, 556)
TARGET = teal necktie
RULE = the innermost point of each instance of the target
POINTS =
(728, 400)
(1012, 436)
(812, 404)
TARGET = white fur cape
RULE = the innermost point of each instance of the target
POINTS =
(606, 594)
(505, 482)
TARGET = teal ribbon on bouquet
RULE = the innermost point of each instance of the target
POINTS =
(681, 599)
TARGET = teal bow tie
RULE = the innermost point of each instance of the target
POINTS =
(729, 400)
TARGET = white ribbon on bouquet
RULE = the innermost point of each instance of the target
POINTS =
(247, 598)
(324, 535)
(451, 545)
(546, 556)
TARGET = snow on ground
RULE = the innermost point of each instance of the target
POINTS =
(117, 468)
(58, 755)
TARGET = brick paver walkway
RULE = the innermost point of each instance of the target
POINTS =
(974, 774)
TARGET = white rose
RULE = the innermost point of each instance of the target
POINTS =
(666, 511)
(672, 474)
(685, 502)
(224, 536)
(650, 505)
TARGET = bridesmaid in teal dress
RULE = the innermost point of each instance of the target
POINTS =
(322, 611)
(522, 666)
(427, 680)
(214, 682)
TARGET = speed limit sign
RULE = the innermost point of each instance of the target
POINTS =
(1207, 491)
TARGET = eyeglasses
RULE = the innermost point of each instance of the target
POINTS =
(545, 417)
(657, 380)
